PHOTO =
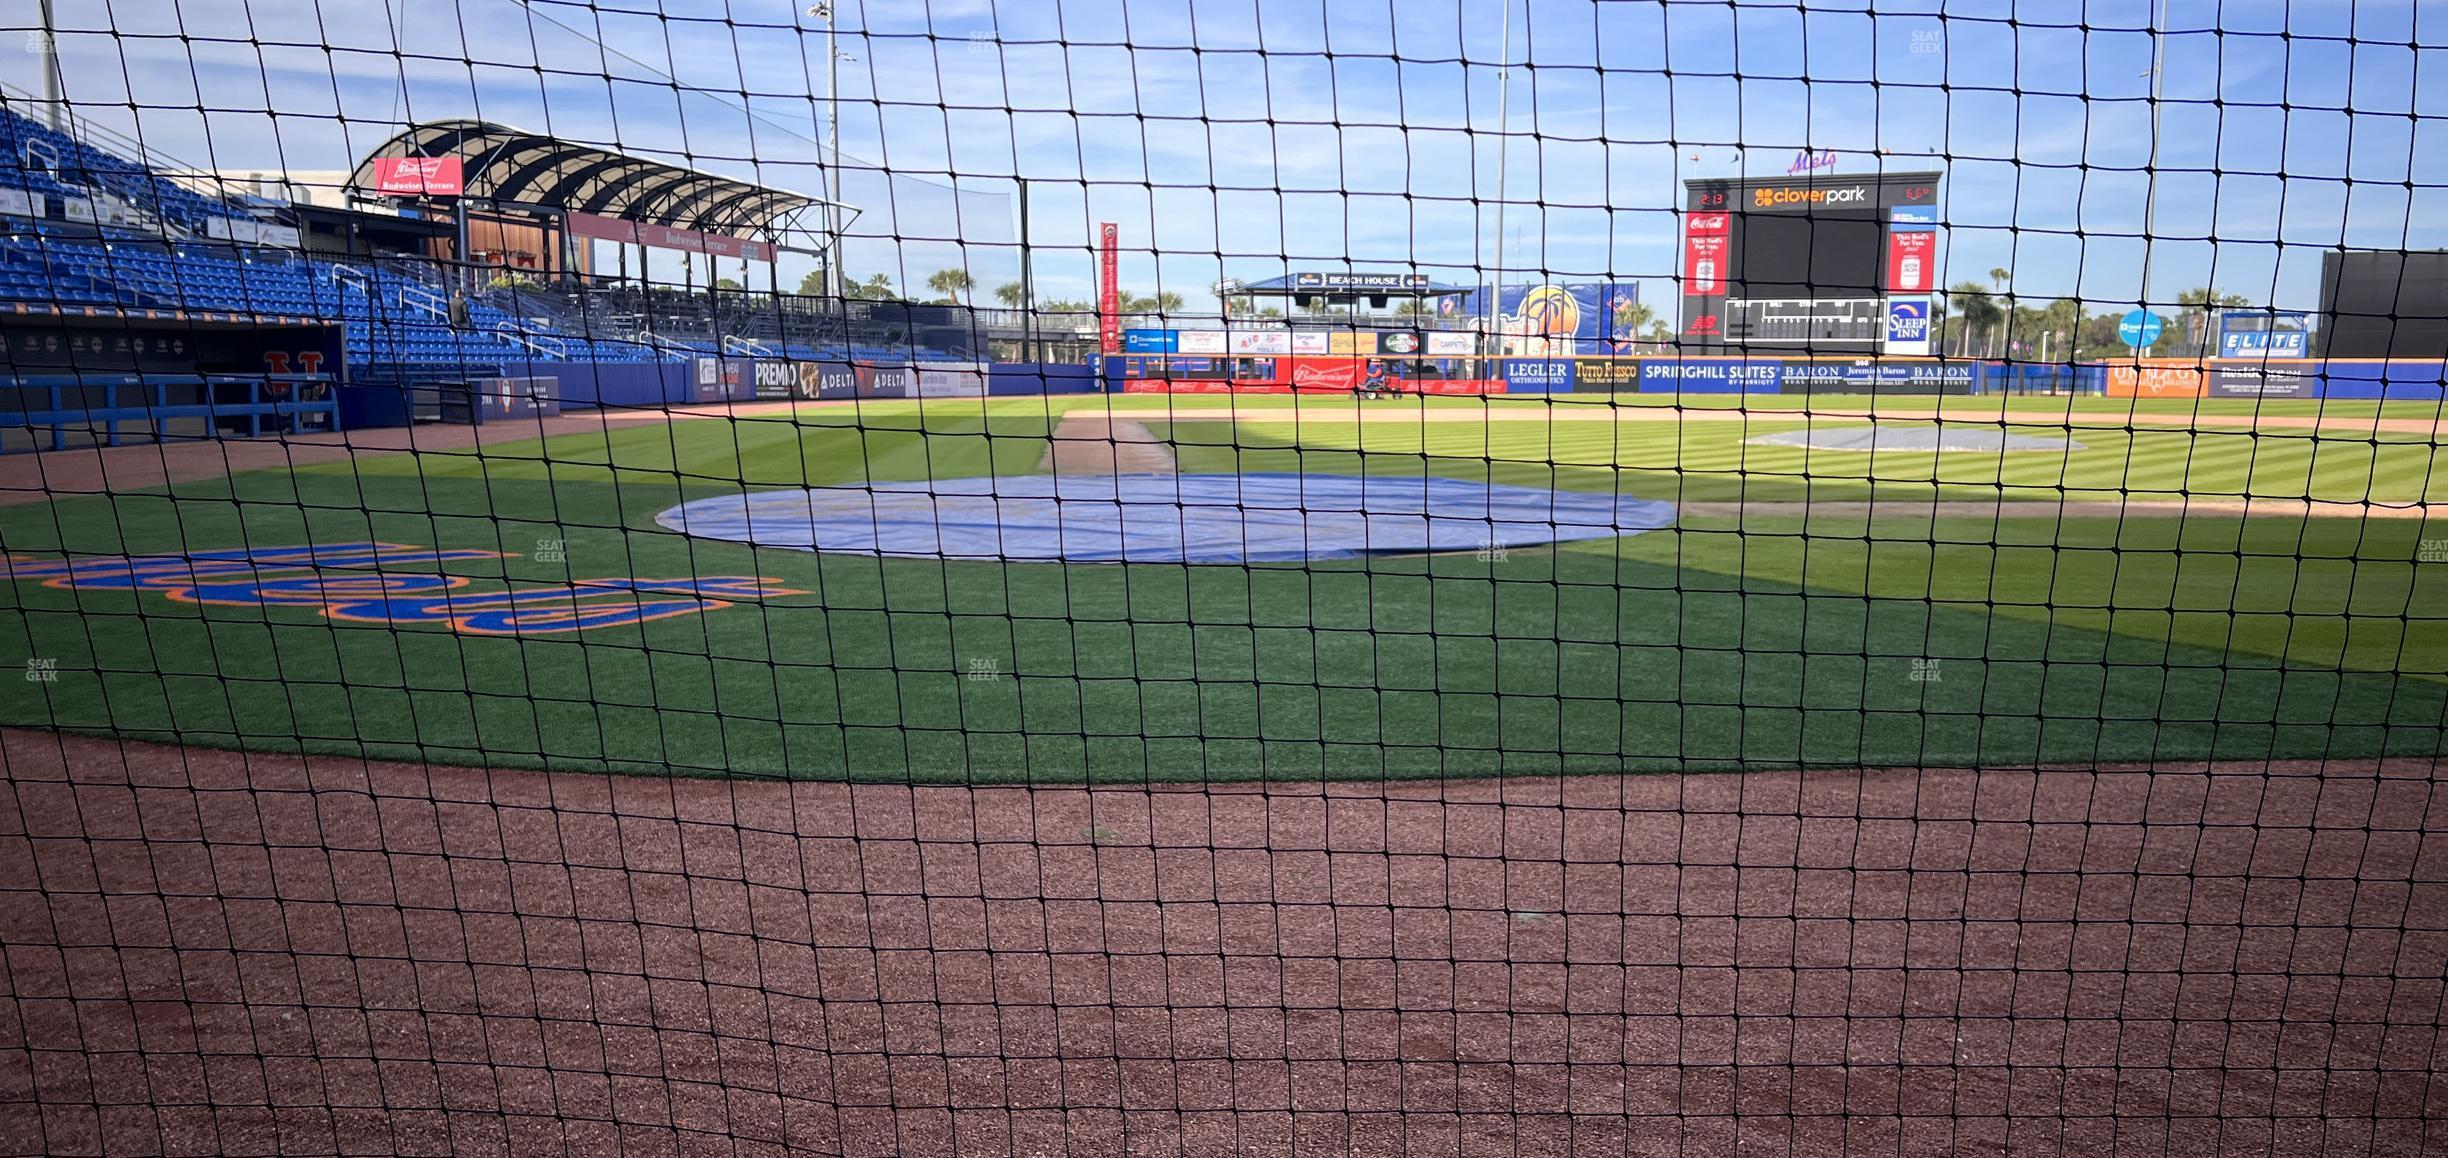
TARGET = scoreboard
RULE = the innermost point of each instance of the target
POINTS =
(1810, 265)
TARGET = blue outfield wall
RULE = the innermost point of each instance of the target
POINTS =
(1003, 378)
(2393, 380)
(619, 384)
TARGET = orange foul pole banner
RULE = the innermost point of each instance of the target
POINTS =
(2156, 378)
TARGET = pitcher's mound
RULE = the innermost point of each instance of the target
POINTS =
(1922, 438)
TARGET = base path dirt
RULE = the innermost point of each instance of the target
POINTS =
(2139, 508)
(1592, 412)
(57, 474)
(211, 952)
(1096, 444)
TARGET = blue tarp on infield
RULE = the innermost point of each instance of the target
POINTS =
(1164, 518)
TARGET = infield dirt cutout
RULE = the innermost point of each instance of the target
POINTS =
(1096, 444)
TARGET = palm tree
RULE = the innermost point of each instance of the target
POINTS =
(1999, 276)
(951, 283)
(2059, 323)
(1978, 308)
(877, 288)
(2198, 304)
(1011, 294)
(1634, 319)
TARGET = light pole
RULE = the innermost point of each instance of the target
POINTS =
(1504, 115)
(2150, 194)
(54, 109)
(832, 165)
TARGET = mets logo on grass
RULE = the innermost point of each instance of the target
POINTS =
(355, 583)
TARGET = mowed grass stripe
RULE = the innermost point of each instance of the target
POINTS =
(1693, 648)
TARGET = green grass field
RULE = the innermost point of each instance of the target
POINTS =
(1772, 638)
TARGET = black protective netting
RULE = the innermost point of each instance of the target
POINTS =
(1168, 577)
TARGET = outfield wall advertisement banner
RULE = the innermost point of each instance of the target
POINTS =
(517, 397)
(1711, 376)
(1606, 375)
(2263, 382)
(1825, 376)
(2155, 379)
(887, 381)
(951, 379)
(1537, 375)
(776, 379)
(826, 380)
(723, 380)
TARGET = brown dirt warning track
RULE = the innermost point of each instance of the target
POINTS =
(210, 952)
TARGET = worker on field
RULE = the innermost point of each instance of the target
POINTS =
(1373, 381)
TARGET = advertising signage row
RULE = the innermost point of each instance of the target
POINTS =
(773, 379)
(1276, 342)
(1740, 376)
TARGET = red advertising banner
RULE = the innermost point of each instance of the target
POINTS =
(667, 237)
(418, 176)
(1109, 287)
(1706, 240)
(1912, 261)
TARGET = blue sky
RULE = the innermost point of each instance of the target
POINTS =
(1250, 137)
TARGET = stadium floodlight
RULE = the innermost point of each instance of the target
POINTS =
(832, 167)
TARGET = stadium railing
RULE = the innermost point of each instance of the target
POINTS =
(63, 403)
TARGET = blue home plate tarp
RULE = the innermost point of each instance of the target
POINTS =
(1165, 518)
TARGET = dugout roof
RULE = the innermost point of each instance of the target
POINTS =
(507, 164)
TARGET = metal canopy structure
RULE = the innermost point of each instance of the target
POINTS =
(512, 166)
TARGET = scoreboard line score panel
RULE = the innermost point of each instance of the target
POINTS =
(1801, 321)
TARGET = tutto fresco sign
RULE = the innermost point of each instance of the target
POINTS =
(356, 583)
